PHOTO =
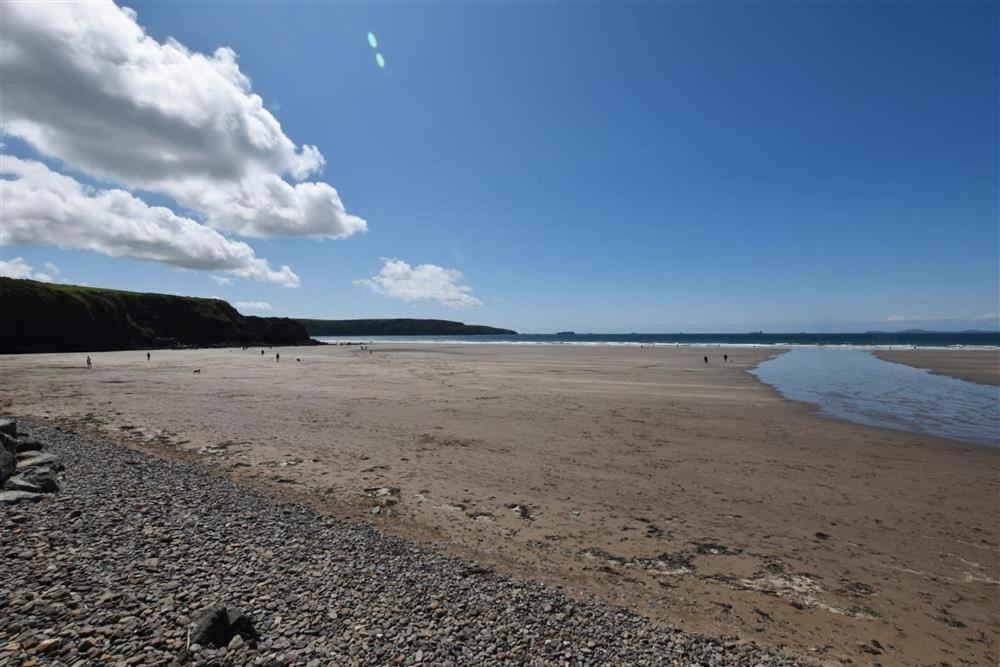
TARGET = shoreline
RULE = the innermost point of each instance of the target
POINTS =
(619, 487)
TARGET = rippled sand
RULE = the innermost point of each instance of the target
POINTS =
(686, 491)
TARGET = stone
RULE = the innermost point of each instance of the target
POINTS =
(217, 626)
(29, 445)
(7, 465)
(9, 443)
(38, 479)
(8, 426)
(48, 645)
(30, 459)
(13, 497)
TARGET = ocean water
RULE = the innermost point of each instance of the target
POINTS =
(855, 385)
(872, 340)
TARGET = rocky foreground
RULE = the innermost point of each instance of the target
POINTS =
(136, 559)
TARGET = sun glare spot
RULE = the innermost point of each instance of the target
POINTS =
(380, 60)
(372, 41)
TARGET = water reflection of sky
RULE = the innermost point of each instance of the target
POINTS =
(857, 386)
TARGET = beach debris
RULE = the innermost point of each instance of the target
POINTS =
(714, 549)
(384, 495)
(523, 511)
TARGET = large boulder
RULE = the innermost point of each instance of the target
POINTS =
(8, 426)
(37, 479)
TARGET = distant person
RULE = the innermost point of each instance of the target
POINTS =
(725, 358)
(89, 363)
(706, 360)
(262, 353)
(277, 356)
(147, 356)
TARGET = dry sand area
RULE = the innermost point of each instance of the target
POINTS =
(982, 366)
(688, 492)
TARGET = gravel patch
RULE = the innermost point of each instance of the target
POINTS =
(114, 568)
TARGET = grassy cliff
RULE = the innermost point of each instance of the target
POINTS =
(397, 327)
(43, 317)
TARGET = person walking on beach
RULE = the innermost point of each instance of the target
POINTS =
(706, 360)
(89, 364)
(725, 358)
(147, 356)
(262, 353)
(277, 356)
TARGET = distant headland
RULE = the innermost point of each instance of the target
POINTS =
(46, 317)
(398, 327)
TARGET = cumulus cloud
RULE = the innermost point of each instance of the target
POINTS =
(221, 280)
(252, 305)
(41, 206)
(85, 84)
(425, 282)
(18, 268)
(52, 268)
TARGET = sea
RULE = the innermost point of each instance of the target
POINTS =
(872, 339)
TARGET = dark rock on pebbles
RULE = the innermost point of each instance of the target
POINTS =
(218, 626)
(38, 479)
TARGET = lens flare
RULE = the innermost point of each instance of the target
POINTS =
(372, 41)
(380, 60)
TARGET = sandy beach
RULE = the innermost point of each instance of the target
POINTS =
(687, 492)
(982, 366)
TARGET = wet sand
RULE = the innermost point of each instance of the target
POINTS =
(690, 493)
(982, 366)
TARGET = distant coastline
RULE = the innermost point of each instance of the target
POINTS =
(871, 340)
(399, 327)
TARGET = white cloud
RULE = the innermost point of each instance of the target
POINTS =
(52, 268)
(43, 207)
(425, 282)
(221, 280)
(85, 84)
(936, 318)
(906, 318)
(252, 305)
(18, 268)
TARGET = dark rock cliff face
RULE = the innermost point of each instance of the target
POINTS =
(397, 327)
(43, 317)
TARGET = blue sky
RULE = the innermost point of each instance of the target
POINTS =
(619, 167)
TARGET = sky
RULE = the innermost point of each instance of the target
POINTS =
(618, 167)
